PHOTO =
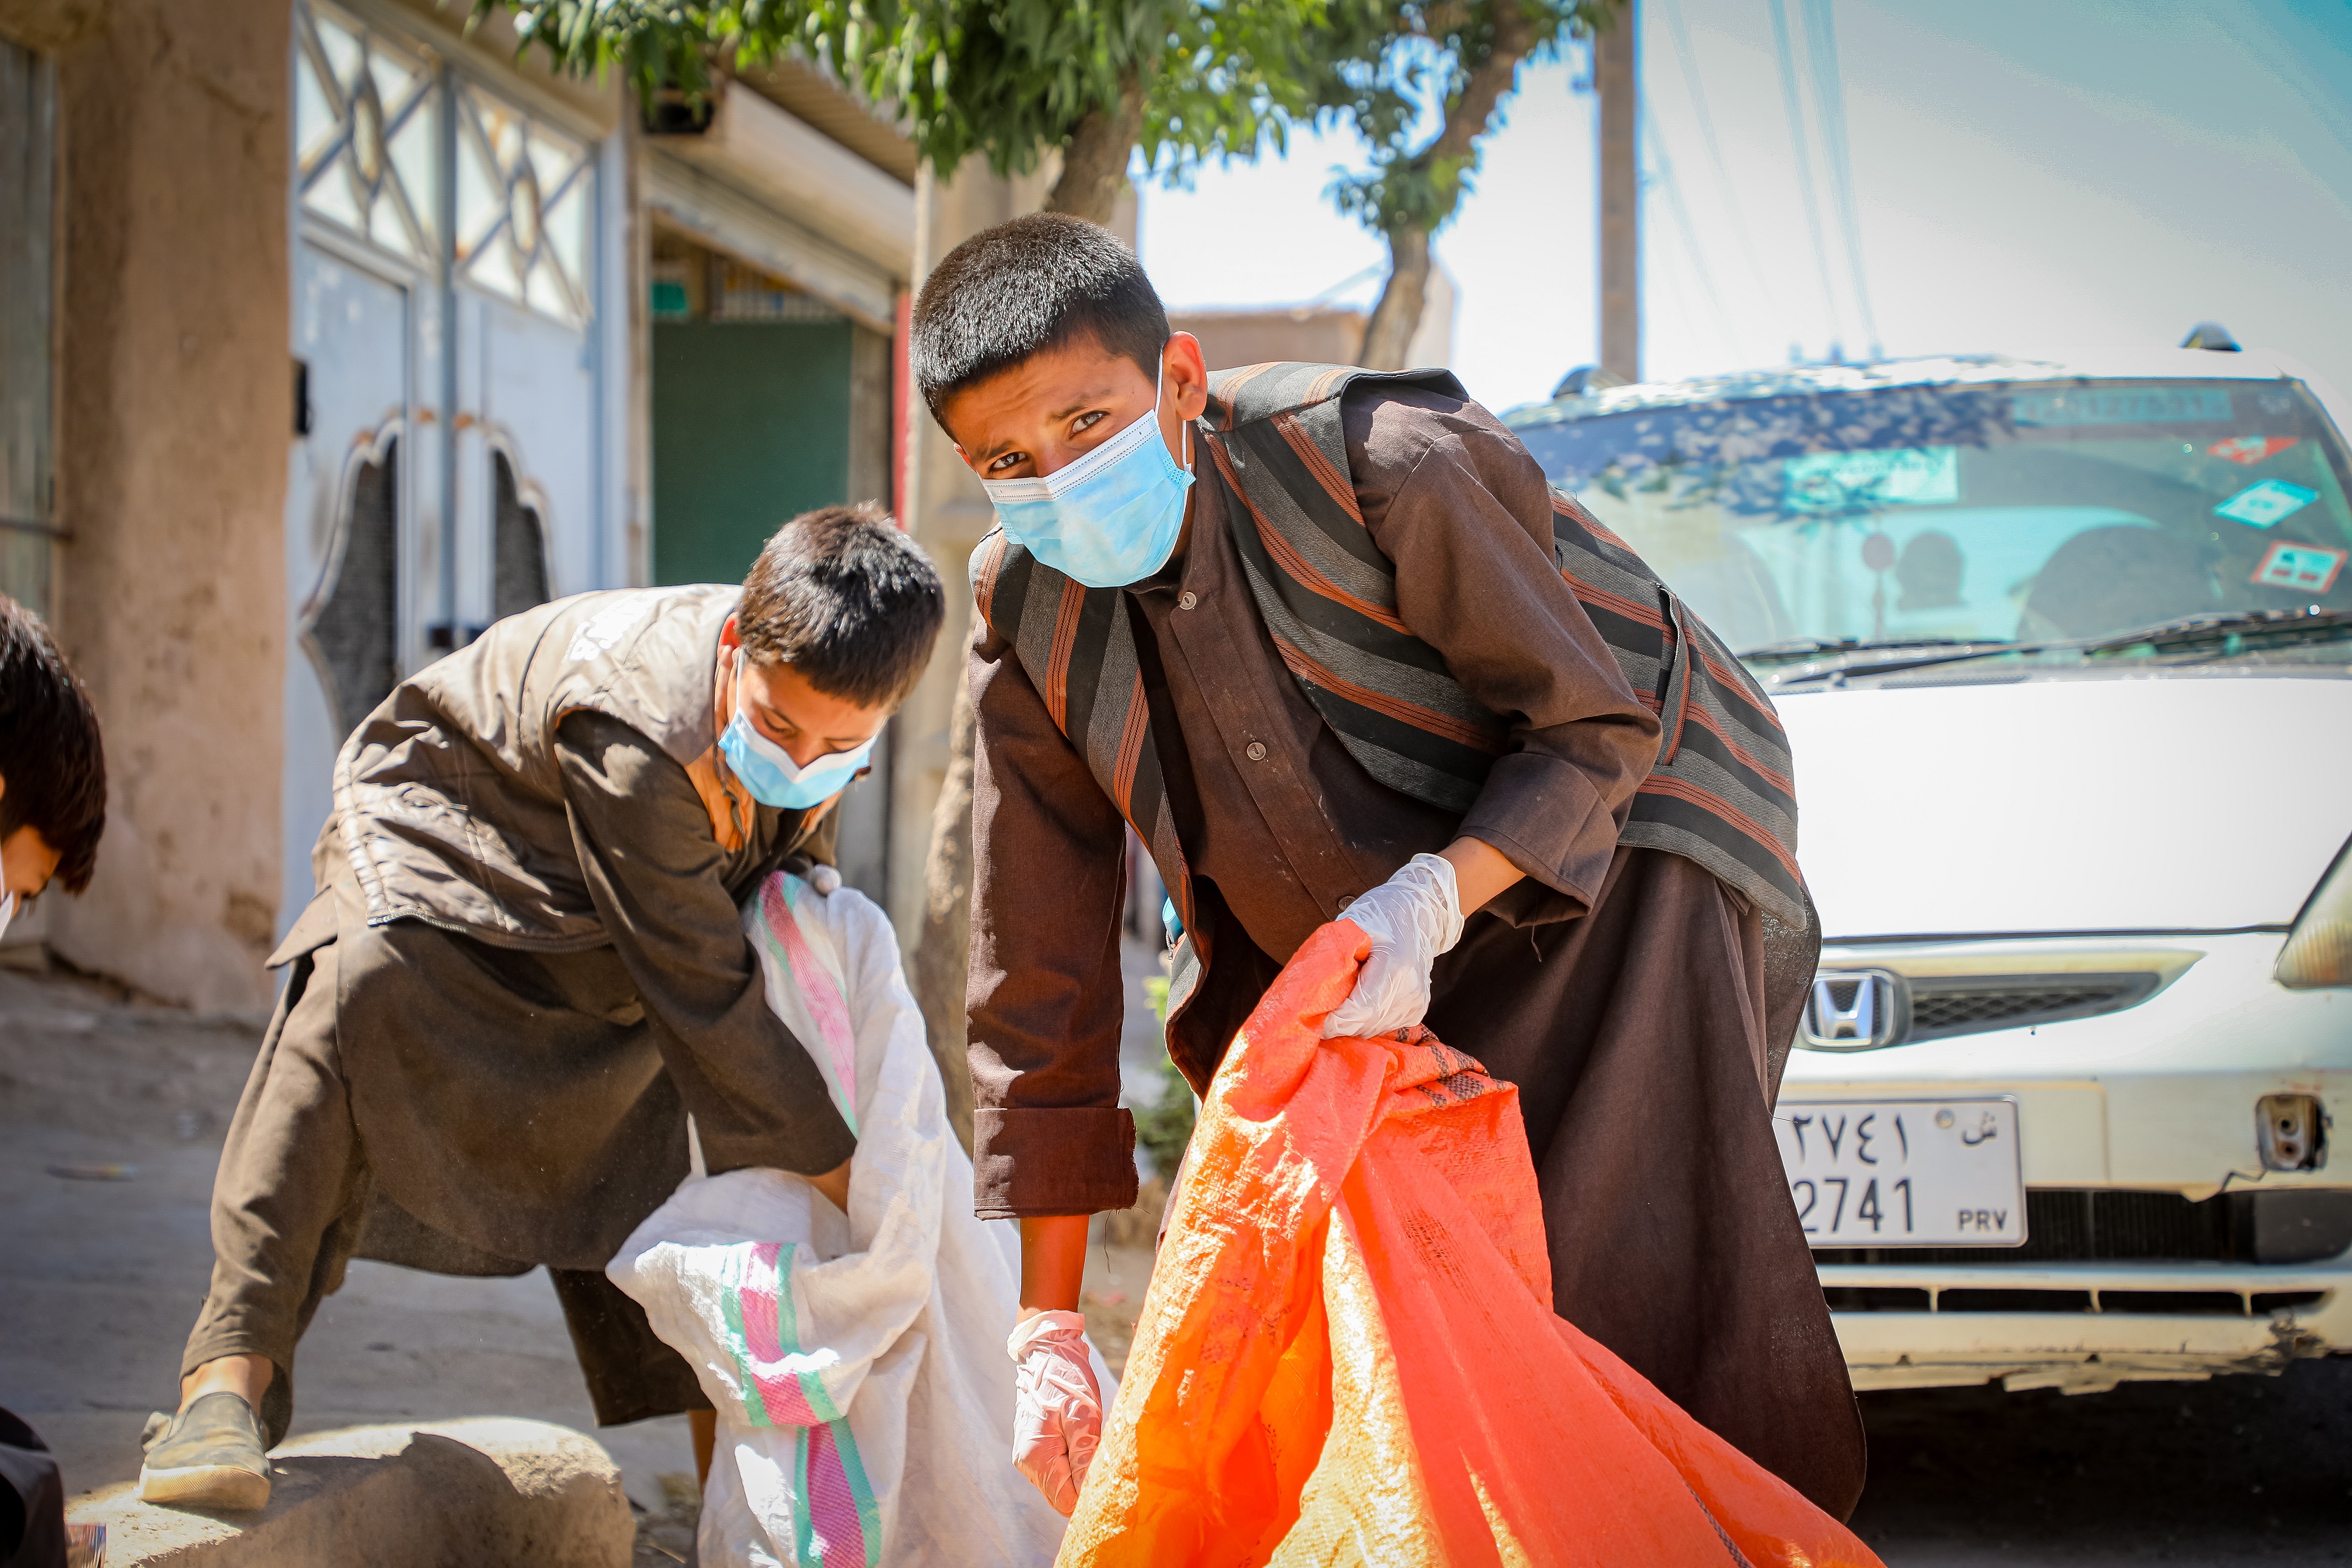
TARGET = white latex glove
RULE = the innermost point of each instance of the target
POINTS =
(1058, 1411)
(1412, 917)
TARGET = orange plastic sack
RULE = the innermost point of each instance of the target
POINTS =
(1348, 1354)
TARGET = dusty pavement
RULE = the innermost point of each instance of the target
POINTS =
(101, 1269)
(111, 1118)
(2236, 1470)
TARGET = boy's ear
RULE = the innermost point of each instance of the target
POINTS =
(1187, 369)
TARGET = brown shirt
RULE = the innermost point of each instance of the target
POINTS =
(670, 899)
(1280, 824)
(532, 1102)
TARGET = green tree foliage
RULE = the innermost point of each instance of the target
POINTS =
(1187, 80)
(1008, 79)
(1164, 1128)
(1391, 69)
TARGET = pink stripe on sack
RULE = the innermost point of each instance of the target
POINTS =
(760, 1296)
(832, 1503)
(826, 1004)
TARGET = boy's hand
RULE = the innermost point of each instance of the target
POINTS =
(1057, 1408)
(834, 1185)
(1412, 917)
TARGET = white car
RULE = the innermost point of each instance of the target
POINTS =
(2064, 653)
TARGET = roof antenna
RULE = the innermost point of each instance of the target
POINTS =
(2210, 335)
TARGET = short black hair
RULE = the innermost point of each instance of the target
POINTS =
(845, 597)
(1024, 287)
(52, 761)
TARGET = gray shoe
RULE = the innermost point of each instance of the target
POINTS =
(208, 1455)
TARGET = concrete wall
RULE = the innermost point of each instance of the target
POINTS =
(176, 403)
(948, 512)
(1317, 334)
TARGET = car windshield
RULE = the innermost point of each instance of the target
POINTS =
(2020, 513)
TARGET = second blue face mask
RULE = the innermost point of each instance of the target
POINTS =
(1107, 519)
(769, 772)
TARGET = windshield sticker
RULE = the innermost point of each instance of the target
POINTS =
(2121, 406)
(1842, 481)
(2248, 451)
(2262, 505)
(2307, 568)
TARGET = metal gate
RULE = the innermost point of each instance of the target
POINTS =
(451, 456)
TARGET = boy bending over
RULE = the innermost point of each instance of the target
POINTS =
(525, 967)
(1331, 644)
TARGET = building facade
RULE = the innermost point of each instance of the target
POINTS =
(329, 333)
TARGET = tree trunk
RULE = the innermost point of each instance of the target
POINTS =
(943, 952)
(1094, 165)
(1397, 317)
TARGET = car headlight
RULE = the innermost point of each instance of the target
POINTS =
(2318, 951)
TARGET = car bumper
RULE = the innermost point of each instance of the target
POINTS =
(2108, 1338)
(2156, 1098)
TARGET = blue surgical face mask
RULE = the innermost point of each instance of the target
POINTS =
(1112, 516)
(768, 770)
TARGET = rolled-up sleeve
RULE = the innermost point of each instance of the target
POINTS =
(1458, 504)
(1048, 867)
(656, 876)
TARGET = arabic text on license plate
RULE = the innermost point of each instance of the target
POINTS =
(1904, 1173)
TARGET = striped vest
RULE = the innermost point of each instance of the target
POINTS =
(1720, 793)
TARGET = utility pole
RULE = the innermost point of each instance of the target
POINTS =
(1616, 78)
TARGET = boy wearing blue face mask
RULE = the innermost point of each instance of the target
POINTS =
(1327, 642)
(525, 967)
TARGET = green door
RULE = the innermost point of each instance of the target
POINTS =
(752, 427)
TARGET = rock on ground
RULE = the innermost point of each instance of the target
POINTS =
(482, 1493)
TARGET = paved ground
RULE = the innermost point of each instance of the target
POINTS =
(102, 1269)
(2236, 1470)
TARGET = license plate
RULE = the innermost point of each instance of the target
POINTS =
(1904, 1173)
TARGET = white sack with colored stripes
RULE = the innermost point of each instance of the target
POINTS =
(864, 1399)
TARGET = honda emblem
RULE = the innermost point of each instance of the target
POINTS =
(1855, 1010)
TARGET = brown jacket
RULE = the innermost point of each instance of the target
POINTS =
(1280, 824)
(549, 809)
(449, 798)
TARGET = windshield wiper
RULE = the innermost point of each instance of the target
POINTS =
(2229, 631)
(1854, 656)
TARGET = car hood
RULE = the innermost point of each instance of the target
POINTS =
(2147, 804)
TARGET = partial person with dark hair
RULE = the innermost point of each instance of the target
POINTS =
(1329, 644)
(52, 812)
(525, 967)
(52, 766)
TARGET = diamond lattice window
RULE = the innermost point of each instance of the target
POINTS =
(366, 131)
(526, 197)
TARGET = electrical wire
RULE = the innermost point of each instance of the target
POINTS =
(1829, 102)
(1665, 165)
(1661, 263)
(1723, 188)
(1793, 106)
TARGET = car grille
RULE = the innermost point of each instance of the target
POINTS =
(1943, 1007)
(2085, 1225)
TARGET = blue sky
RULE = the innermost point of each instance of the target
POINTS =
(2026, 178)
